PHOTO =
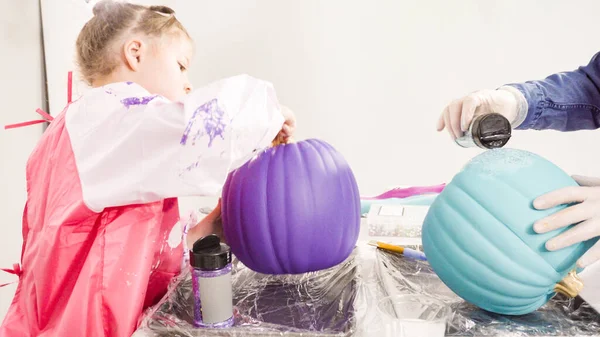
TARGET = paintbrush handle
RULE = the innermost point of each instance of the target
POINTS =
(392, 248)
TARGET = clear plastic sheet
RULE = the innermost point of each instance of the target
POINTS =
(320, 303)
(342, 301)
(559, 317)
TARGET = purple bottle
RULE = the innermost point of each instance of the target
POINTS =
(211, 280)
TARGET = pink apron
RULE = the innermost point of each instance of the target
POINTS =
(101, 236)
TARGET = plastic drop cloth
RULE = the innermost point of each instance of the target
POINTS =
(342, 301)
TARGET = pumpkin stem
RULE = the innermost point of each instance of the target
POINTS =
(280, 140)
(570, 286)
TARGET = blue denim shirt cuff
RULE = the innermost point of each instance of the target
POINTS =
(535, 102)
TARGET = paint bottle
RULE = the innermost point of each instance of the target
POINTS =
(488, 131)
(211, 282)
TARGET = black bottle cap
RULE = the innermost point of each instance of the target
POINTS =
(491, 131)
(208, 253)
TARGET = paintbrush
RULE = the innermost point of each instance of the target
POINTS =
(415, 254)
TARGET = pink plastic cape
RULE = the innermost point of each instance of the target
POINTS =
(72, 255)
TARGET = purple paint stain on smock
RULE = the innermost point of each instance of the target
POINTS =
(213, 119)
(129, 83)
(130, 101)
(192, 166)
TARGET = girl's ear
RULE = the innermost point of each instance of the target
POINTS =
(132, 51)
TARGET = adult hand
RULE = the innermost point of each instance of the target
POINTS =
(585, 213)
(457, 115)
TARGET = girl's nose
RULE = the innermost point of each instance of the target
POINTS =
(187, 88)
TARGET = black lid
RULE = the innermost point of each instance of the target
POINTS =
(209, 253)
(491, 131)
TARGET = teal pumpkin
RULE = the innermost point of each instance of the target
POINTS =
(478, 234)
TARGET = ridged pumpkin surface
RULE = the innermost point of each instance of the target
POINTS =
(478, 234)
(294, 208)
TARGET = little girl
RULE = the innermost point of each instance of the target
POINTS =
(103, 180)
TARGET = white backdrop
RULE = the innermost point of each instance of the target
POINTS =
(372, 77)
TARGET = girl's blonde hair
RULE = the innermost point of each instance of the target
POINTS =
(112, 20)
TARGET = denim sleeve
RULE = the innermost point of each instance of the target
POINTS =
(566, 101)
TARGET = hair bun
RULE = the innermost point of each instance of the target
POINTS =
(103, 6)
(162, 9)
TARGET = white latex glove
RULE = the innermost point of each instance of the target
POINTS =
(585, 213)
(507, 101)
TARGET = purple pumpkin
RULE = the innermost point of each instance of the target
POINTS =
(292, 209)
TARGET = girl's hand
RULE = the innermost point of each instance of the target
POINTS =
(289, 127)
(211, 224)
